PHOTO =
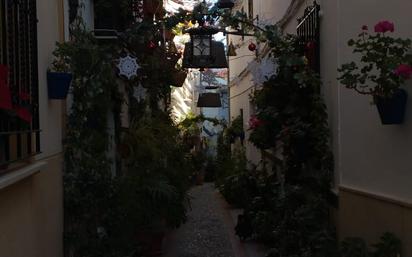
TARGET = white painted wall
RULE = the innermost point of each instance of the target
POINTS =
(241, 80)
(373, 157)
(369, 156)
(50, 110)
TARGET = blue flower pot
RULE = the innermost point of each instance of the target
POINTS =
(392, 110)
(58, 84)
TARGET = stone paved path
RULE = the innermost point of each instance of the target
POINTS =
(205, 233)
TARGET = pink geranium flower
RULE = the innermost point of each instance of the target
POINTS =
(384, 26)
(255, 122)
(404, 70)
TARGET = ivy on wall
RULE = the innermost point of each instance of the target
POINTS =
(88, 181)
(103, 211)
(288, 207)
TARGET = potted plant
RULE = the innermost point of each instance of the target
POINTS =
(58, 79)
(384, 66)
(235, 130)
(154, 181)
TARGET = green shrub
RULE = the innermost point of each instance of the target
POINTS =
(388, 246)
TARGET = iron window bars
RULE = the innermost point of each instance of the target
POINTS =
(308, 31)
(19, 139)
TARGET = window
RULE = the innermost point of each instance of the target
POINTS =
(19, 110)
(107, 15)
(111, 17)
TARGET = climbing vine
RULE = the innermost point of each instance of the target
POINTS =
(110, 199)
(88, 181)
(289, 204)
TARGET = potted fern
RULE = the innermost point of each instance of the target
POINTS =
(385, 64)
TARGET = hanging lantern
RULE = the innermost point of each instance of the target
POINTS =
(225, 4)
(202, 51)
(209, 100)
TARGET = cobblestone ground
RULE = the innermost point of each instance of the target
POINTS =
(204, 234)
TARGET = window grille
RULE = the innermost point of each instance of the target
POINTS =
(19, 120)
(308, 31)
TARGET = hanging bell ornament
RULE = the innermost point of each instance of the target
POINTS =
(231, 50)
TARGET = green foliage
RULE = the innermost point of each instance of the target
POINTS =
(157, 160)
(354, 247)
(189, 126)
(380, 54)
(103, 210)
(289, 206)
(234, 180)
(290, 219)
(235, 129)
(223, 158)
(388, 246)
(88, 182)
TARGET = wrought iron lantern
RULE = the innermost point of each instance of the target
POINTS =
(225, 4)
(209, 100)
(202, 51)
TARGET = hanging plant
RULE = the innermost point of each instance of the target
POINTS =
(58, 77)
(385, 65)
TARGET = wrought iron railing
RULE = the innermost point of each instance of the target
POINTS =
(19, 109)
(308, 31)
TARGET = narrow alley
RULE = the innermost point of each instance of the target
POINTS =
(205, 128)
(209, 230)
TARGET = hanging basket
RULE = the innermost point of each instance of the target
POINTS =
(392, 110)
(178, 78)
(58, 84)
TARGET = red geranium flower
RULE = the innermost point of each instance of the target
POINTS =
(404, 70)
(384, 26)
(255, 122)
